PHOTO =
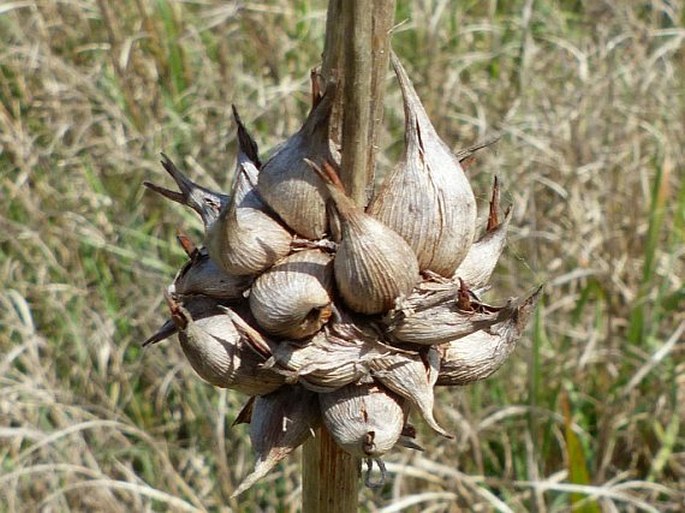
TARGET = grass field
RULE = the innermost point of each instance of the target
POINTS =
(589, 97)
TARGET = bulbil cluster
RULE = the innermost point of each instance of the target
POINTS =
(324, 312)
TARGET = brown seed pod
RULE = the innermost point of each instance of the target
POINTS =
(293, 298)
(287, 184)
(412, 377)
(365, 419)
(481, 260)
(373, 265)
(427, 198)
(245, 239)
(438, 317)
(478, 355)
(200, 275)
(280, 422)
(218, 352)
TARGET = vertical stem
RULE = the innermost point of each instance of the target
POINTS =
(332, 63)
(367, 27)
(356, 55)
(330, 476)
(383, 21)
(332, 48)
(356, 128)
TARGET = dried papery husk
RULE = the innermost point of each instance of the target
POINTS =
(326, 245)
(263, 345)
(246, 239)
(437, 317)
(426, 198)
(328, 361)
(480, 354)
(293, 298)
(413, 377)
(206, 202)
(200, 275)
(287, 184)
(373, 264)
(218, 352)
(281, 422)
(365, 419)
(481, 260)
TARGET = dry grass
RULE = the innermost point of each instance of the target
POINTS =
(590, 100)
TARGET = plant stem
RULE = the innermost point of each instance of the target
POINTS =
(383, 20)
(332, 64)
(356, 55)
(356, 127)
(367, 27)
(330, 476)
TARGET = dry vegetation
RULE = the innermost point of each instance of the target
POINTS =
(590, 100)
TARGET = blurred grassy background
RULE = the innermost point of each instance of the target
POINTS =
(587, 416)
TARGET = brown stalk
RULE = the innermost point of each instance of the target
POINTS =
(330, 476)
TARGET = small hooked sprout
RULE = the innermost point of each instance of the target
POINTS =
(369, 468)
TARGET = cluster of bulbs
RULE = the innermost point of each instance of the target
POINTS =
(325, 312)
